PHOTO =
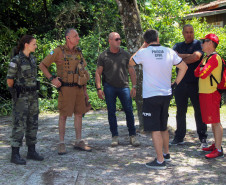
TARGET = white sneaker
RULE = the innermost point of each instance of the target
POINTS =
(114, 141)
(204, 144)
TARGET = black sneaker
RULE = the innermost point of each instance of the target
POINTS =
(167, 157)
(155, 165)
(177, 142)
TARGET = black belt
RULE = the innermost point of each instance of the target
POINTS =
(23, 89)
(70, 84)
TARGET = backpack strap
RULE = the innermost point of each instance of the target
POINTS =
(211, 76)
(222, 71)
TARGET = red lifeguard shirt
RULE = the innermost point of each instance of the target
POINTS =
(214, 67)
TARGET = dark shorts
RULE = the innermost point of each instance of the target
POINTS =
(210, 107)
(155, 113)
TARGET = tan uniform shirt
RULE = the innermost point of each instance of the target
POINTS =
(66, 63)
(71, 99)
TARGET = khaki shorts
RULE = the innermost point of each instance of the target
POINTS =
(71, 100)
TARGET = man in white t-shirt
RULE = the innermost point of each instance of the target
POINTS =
(157, 64)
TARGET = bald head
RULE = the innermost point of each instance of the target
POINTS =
(114, 41)
(112, 35)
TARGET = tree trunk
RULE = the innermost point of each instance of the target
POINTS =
(45, 9)
(130, 16)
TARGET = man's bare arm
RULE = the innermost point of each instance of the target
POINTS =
(98, 74)
(181, 72)
(132, 74)
(47, 74)
(44, 69)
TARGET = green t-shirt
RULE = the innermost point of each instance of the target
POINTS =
(115, 67)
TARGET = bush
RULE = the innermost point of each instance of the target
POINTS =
(48, 105)
(201, 29)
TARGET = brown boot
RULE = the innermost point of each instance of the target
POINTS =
(61, 149)
(134, 141)
(82, 146)
(114, 141)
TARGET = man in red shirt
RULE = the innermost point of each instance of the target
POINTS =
(209, 97)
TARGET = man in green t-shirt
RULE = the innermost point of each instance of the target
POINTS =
(113, 66)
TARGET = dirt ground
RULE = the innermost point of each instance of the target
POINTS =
(107, 165)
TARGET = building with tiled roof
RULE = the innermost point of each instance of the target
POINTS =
(214, 12)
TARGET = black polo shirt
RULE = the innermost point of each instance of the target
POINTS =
(115, 67)
(183, 48)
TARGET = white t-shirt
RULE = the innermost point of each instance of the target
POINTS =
(157, 64)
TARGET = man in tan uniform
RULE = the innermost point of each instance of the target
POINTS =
(71, 79)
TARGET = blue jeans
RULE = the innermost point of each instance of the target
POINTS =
(111, 93)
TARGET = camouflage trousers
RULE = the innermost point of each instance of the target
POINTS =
(25, 119)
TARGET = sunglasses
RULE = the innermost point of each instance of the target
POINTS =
(117, 39)
(205, 40)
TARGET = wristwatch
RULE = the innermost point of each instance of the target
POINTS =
(51, 78)
(98, 89)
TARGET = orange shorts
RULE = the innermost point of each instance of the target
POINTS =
(71, 100)
(210, 107)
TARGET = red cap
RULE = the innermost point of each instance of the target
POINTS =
(212, 37)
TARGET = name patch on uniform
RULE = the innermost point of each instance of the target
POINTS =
(12, 64)
(51, 53)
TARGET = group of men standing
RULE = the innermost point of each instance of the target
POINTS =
(113, 66)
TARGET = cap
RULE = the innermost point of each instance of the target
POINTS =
(212, 37)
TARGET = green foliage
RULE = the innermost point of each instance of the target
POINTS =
(29, 14)
(95, 101)
(48, 19)
(47, 105)
(8, 40)
(164, 15)
(5, 107)
(201, 29)
(45, 46)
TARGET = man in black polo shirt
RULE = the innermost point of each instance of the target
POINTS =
(191, 52)
(113, 65)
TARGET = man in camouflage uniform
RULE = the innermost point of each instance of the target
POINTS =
(23, 73)
(71, 79)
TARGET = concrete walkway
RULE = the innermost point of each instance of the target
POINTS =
(106, 165)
